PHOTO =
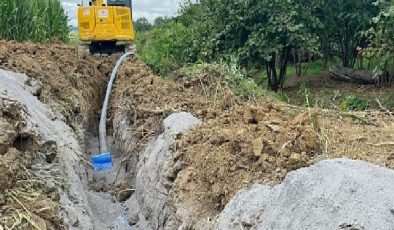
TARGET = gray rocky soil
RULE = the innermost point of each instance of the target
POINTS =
(51, 128)
(333, 194)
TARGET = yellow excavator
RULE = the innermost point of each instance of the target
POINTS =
(106, 26)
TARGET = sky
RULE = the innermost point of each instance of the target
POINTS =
(141, 8)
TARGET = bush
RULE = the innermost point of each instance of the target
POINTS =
(229, 74)
(165, 48)
(382, 42)
(33, 20)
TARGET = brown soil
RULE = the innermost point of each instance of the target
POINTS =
(250, 143)
(147, 100)
(366, 136)
(239, 142)
(72, 85)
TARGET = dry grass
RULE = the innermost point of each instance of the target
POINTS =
(27, 206)
(345, 136)
(366, 136)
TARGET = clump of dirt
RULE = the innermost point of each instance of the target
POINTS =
(8, 165)
(248, 144)
(71, 83)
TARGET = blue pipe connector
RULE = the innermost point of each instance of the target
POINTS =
(102, 162)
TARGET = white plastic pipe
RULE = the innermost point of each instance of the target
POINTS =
(104, 111)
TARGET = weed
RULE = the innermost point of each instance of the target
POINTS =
(304, 94)
(281, 96)
(230, 74)
(354, 103)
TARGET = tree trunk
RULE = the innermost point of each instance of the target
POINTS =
(298, 64)
(275, 81)
(272, 74)
(283, 67)
(351, 75)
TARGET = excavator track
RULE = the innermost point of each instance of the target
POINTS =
(108, 48)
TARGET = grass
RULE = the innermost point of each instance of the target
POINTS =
(315, 89)
(323, 92)
(33, 20)
(313, 68)
(318, 67)
(231, 75)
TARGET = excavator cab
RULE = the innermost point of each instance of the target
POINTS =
(106, 27)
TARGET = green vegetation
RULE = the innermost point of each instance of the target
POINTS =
(164, 48)
(142, 25)
(230, 75)
(354, 103)
(33, 20)
(271, 36)
(382, 45)
(343, 23)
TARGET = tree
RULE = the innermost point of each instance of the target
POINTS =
(142, 25)
(161, 21)
(261, 31)
(165, 48)
(382, 42)
(190, 13)
(343, 24)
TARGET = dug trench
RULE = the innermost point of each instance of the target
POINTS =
(180, 156)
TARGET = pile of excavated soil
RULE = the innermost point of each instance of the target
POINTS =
(237, 144)
(333, 194)
(148, 100)
(366, 136)
(71, 83)
(250, 143)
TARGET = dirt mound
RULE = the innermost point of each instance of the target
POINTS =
(366, 136)
(250, 143)
(73, 86)
(147, 100)
(238, 143)
(207, 82)
(333, 194)
(70, 82)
